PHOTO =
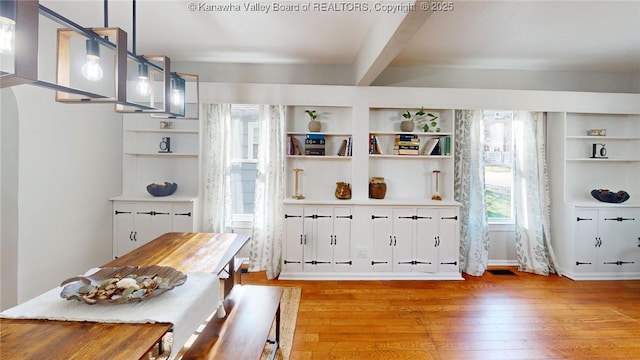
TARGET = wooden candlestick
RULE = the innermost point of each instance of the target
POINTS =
(297, 196)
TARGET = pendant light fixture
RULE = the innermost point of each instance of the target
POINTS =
(7, 26)
(154, 88)
(18, 42)
(151, 86)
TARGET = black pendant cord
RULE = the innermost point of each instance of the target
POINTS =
(105, 11)
(133, 39)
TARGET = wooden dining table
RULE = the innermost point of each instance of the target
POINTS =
(48, 339)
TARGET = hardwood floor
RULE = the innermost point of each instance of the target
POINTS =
(520, 316)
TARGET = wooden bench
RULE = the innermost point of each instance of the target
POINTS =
(243, 333)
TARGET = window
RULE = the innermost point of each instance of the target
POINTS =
(244, 144)
(498, 148)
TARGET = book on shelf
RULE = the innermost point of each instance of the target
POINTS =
(314, 152)
(345, 147)
(406, 152)
(314, 141)
(349, 146)
(374, 145)
(315, 137)
(407, 137)
(446, 146)
(431, 147)
(294, 148)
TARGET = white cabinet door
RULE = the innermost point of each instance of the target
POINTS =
(342, 219)
(587, 241)
(381, 225)
(618, 230)
(448, 259)
(294, 239)
(427, 240)
(318, 229)
(403, 247)
(182, 217)
(123, 228)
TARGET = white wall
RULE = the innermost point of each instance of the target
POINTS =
(69, 164)
(9, 198)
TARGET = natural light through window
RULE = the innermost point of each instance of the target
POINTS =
(498, 148)
(244, 146)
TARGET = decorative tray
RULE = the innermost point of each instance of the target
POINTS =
(120, 285)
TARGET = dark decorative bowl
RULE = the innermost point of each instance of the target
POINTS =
(165, 189)
(605, 195)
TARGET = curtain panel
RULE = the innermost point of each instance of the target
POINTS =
(531, 195)
(266, 241)
(216, 168)
(469, 190)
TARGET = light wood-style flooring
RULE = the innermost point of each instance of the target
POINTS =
(490, 317)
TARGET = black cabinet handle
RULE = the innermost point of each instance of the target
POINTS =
(619, 219)
(292, 262)
(582, 263)
(344, 262)
(122, 212)
(373, 217)
(183, 214)
(413, 262)
(286, 216)
(315, 262)
(583, 219)
(378, 262)
(450, 217)
(619, 263)
(449, 263)
(152, 213)
(345, 217)
(316, 216)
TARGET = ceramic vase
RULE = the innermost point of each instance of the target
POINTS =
(377, 188)
(314, 126)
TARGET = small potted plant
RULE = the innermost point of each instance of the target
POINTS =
(314, 125)
(427, 121)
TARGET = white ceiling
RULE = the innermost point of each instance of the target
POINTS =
(598, 36)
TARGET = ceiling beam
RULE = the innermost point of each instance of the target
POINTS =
(386, 39)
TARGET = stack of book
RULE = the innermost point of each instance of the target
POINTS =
(406, 144)
(314, 145)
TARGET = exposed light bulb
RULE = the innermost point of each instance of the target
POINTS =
(143, 88)
(176, 97)
(7, 35)
(92, 70)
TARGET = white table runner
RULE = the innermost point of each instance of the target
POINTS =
(185, 306)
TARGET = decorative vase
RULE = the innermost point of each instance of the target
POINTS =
(343, 191)
(377, 188)
(314, 126)
(407, 125)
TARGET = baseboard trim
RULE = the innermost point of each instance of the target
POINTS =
(503, 263)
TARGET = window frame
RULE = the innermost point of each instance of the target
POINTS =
(502, 223)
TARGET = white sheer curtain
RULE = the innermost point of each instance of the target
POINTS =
(216, 168)
(469, 190)
(266, 241)
(531, 195)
